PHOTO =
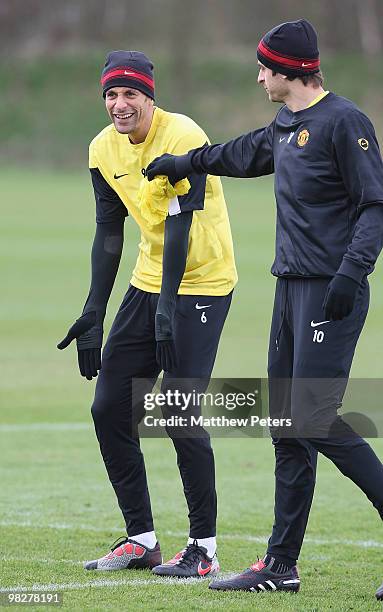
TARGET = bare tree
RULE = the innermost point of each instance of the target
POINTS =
(369, 27)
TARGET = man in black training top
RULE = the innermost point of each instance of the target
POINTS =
(329, 193)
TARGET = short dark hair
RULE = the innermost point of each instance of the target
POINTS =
(317, 79)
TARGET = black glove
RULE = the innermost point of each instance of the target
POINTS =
(166, 355)
(88, 334)
(175, 167)
(340, 297)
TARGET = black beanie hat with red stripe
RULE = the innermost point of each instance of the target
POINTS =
(128, 69)
(291, 49)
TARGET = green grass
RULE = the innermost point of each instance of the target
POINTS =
(56, 506)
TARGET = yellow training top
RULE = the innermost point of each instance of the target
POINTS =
(210, 266)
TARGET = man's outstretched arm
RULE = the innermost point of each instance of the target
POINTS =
(247, 156)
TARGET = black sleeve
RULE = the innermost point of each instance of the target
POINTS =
(105, 260)
(109, 207)
(176, 242)
(195, 198)
(358, 158)
(247, 156)
(366, 244)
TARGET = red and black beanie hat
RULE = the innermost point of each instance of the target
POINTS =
(128, 69)
(290, 48)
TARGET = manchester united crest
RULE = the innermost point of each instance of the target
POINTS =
(303, 137)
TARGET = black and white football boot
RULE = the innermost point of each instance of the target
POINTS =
(258, 578)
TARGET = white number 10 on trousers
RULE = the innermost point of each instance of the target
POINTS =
(318, 335)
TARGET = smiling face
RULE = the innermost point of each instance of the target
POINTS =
(276, 85)
(131, 112)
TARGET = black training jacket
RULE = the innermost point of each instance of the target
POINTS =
(328, 186)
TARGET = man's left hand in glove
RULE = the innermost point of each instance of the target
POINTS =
(340, 297)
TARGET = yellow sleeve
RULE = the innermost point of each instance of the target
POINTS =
(93, 162)
(189, 140)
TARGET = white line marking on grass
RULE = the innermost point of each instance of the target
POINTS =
(180, 534)
(23, 427)
(5, 558)
(308, 540)
(68, 526)
(102, 583)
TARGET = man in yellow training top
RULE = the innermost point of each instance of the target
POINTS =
(171, 318)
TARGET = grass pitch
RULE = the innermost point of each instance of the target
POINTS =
(57, 507)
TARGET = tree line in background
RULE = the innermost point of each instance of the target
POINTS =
(29, 28)
(204, 53)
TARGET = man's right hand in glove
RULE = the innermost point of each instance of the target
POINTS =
(88, 334)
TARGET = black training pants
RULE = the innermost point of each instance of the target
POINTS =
(130, 352)
(309, 364)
